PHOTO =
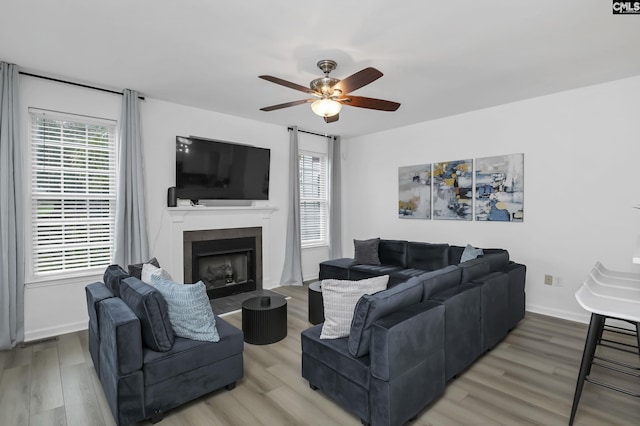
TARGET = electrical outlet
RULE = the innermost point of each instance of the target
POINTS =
(548, 279)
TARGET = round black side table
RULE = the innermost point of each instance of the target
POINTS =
(316, 305)
(264, 319)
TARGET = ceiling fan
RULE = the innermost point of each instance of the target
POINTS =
(330, 94)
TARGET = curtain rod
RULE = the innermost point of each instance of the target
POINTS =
(73, 83)
(311, 133)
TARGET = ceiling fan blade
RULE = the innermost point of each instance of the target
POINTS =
(370, 103)
(357, 80)
(331, 119)
(286, 105)
(288, 84)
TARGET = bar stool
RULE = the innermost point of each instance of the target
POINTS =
(630, 278)
(607, 294)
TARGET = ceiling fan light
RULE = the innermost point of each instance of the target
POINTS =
(326, 107)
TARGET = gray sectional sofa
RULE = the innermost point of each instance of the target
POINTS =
(437, 316)
(145, 369)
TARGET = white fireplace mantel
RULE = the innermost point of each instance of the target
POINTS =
(195, 218)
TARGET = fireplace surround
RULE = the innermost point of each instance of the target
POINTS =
(228, 261)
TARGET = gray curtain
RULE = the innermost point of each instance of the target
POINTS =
(335, 199)
(11, 212)
(131, 245)
(292, 270)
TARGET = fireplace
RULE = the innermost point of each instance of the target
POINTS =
(228, 261)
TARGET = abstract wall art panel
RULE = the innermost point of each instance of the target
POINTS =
(453, 190)
(500, 188)
(414, 192)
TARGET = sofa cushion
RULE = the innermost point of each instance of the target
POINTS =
(113, 276)
(135, 270)
(187, 355)
(498, 259)
(393, 252)
(470, 252)
(151, 309)
(455, 253)
(189, 309)
(361, 272)
(366, 251)
(411, 272)
(340, 298)
(427, 256)
(434, 282)
(474, 269)
(370, 307)
(334, 353)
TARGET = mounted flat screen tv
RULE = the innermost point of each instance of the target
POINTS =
(216, 170)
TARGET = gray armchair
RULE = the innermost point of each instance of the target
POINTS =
(141, 382)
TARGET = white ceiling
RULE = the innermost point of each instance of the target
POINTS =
(439, 57)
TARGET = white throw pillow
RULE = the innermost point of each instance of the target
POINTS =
(148, 270)
(340, 298)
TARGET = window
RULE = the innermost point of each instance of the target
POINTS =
(313, 199)
(73, 192)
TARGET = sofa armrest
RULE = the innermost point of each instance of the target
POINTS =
(494, 300)
(406, 338)
(516, 292)
(121, 361)
(96, 293)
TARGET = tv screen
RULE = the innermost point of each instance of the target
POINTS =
(217, 170)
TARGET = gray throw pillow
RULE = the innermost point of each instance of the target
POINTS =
(190, 312)
(470, 253)
(340, 297)
(366, 251)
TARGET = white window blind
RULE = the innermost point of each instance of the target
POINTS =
(73, 192)
(313, 199)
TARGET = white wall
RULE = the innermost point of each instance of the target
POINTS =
(161, 122)
(581, 150)
(58, 307)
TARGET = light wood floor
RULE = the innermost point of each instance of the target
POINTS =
(529, 378)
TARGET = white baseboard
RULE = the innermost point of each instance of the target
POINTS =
(44, 333)
(560, 313)
(572, 316)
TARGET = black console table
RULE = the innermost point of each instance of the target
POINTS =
(264, 319)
